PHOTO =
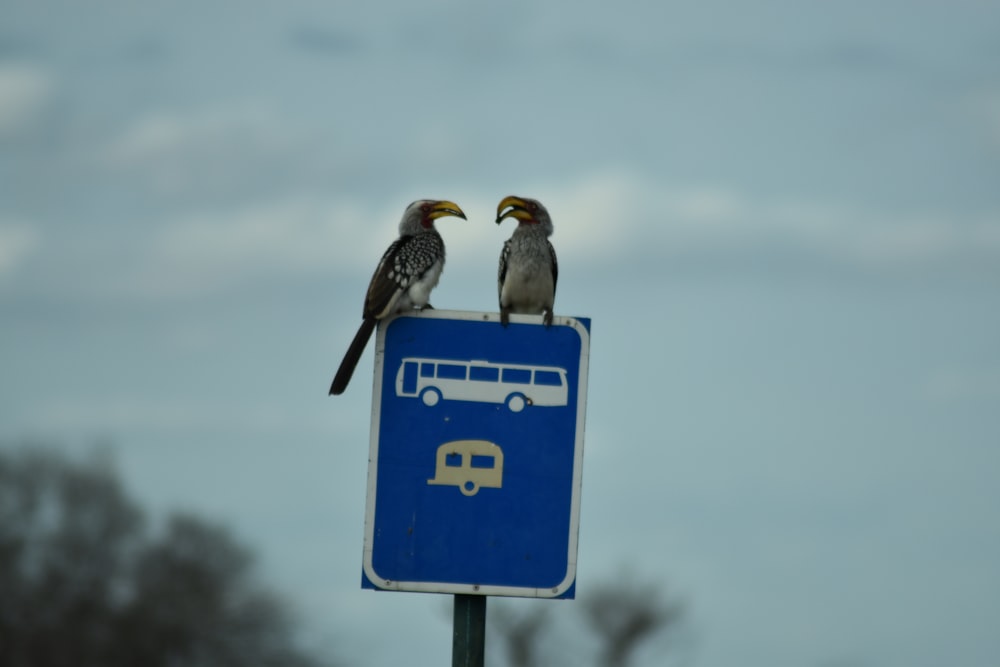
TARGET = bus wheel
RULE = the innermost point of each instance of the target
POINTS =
(515, 402)
(431, 396)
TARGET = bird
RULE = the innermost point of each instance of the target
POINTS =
(528, 271)
(404, 278)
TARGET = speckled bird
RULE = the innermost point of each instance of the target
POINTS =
(528, 271)
(405, 276)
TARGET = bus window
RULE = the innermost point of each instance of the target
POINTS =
(484, 373)
(517, 375)
(426, 370)
(548, 378)
(410, 377)
(451, 372)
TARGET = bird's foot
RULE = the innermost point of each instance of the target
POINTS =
(547, 319)
(504, 317)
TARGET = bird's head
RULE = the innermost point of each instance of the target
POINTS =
(525, 211)
(421, 214)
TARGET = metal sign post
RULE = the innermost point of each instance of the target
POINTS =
(468, 647)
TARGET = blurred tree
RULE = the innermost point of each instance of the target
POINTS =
(82, 583)
(623, 615)
(521, 633)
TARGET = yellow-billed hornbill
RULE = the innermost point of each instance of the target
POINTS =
(526, 279)
(405, 276)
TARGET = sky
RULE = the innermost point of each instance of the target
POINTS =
(782, 218)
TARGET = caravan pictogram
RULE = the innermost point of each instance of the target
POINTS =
(514, 385)
(469, 465)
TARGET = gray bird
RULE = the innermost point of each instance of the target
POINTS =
(405, 276)
(526, 279)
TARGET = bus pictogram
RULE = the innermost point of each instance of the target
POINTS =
(513, 385)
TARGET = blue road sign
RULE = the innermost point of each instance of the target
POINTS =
(476, 454)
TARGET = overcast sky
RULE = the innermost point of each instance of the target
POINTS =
(783, 219)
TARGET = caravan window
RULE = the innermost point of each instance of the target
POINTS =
(482, 461)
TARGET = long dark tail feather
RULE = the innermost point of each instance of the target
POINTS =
(346, 370)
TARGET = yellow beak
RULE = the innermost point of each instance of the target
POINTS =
(445, 208)
(515, 208)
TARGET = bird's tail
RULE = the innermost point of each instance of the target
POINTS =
(346, 370)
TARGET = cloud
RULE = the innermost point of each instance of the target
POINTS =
(306, 235)
(984, 107)
(613, 219)
(295, 235)
(188, 134)
(204, 151)
(16, 243)
(321, 41)
(613, 215)
(154, 136)
(96, 414)
(163, 134)
(952, 384)
(24, 89)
